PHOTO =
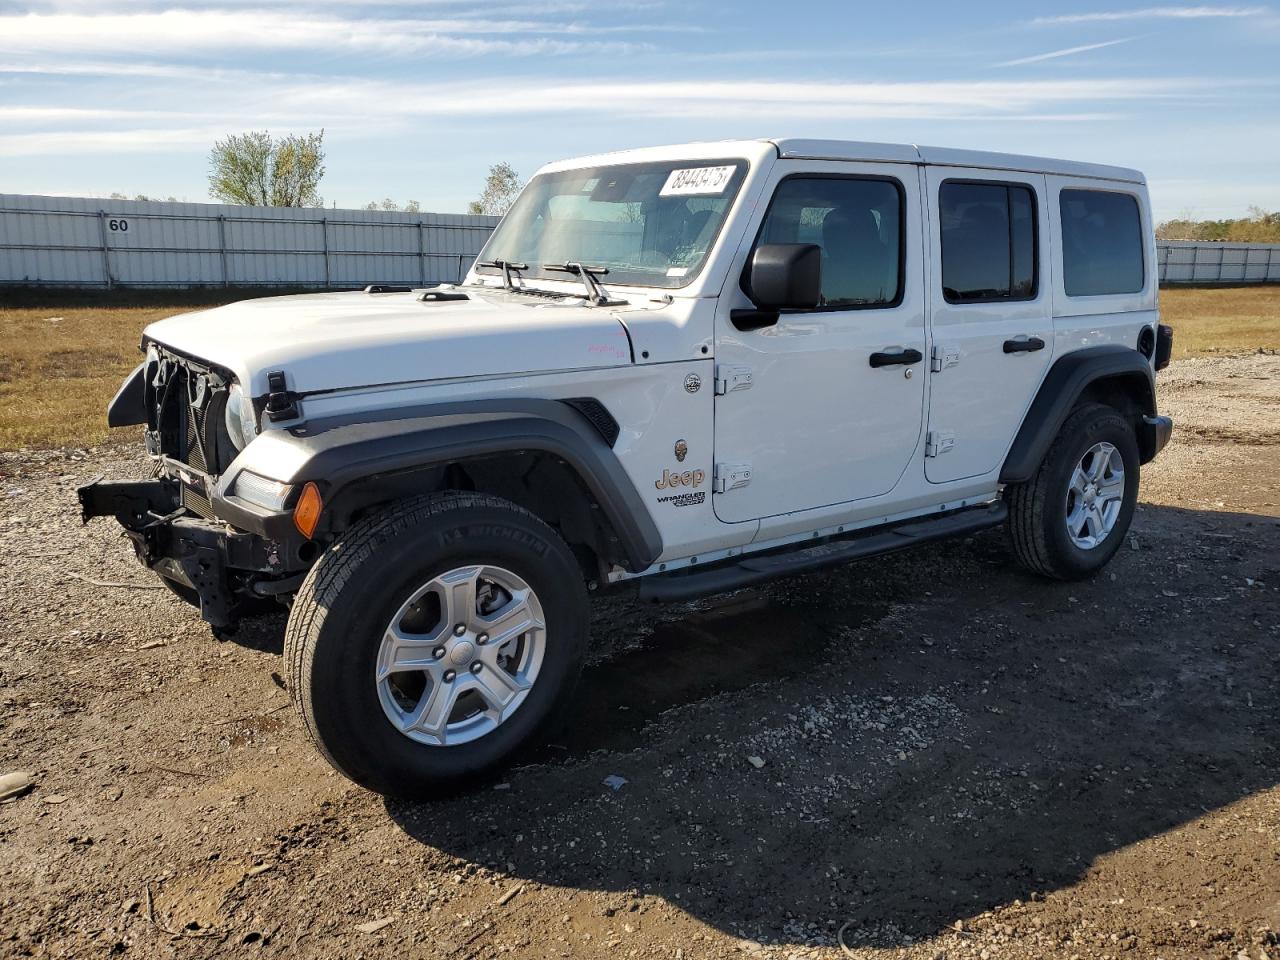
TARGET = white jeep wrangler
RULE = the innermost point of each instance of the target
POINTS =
(679, 370)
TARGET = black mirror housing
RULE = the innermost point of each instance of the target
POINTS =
(785, 276)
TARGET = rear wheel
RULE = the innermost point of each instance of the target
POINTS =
(1069, 519)
(434, 640)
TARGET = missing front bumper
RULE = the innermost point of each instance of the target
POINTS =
(230, 570)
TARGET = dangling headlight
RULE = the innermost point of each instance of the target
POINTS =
(241, 426)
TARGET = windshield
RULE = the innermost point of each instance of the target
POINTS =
(650, 224)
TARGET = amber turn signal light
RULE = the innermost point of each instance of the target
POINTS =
(307, 513)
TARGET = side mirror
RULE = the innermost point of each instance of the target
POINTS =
(780, 276)
(785, 276)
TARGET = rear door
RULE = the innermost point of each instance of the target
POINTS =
(990, 314)
(826, 405)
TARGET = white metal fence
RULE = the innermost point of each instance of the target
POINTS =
(1207, 261)
(88, 242)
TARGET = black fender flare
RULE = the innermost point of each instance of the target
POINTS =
(1061, 389)
(393, 445)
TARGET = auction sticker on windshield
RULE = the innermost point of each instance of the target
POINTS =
(697, 181)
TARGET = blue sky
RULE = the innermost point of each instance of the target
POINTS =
(418, 97)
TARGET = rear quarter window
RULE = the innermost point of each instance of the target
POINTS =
(988, 240)
(1101, 243)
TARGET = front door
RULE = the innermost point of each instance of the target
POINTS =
(826, 406)
(992, 327)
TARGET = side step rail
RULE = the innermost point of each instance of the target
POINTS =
(749, 571)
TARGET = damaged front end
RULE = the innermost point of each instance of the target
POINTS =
(229, 555)
(230, 571)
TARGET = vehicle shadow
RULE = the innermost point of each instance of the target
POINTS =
(940, 734)
(263, 632)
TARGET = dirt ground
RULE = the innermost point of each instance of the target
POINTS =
(959, 760)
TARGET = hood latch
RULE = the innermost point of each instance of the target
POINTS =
(282, 403)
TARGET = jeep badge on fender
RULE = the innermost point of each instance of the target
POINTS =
(689, 478)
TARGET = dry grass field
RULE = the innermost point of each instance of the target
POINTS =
(60, 367)
(1209, 322)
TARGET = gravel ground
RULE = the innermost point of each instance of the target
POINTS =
(929, 755)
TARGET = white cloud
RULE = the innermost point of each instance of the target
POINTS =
(1067, 52)
(114, 68)
(352, 108)
(1153, 13)
(768, 100)
(368, 7)
(66, 142)
(57, 114)
(176, 32)
(342, 104)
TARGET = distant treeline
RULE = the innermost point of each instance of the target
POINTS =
(1258, 227)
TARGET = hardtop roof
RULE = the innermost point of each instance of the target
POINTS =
(948, 157)
(805, 149)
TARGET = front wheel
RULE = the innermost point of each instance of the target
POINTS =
(1071, 517)
(434, 640)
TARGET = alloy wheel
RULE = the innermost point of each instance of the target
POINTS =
(461, 655)
(1095, 495)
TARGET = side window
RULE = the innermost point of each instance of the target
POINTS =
(1101, 243)
(988, 241)
(858, 224)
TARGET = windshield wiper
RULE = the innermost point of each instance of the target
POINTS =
(595, 292)
(506, 266)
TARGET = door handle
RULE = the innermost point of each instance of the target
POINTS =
(1029, 345)
(906, 357)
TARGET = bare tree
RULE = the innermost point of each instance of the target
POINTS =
(500, 189)
(256, 169)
